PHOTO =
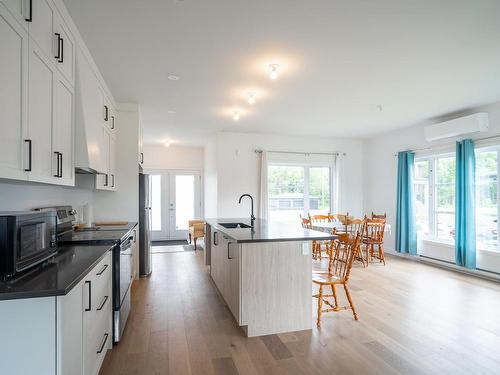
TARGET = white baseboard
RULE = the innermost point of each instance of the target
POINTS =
(492, 276)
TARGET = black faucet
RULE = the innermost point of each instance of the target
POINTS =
(252, 217)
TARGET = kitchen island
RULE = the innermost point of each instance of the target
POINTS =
(263, 273)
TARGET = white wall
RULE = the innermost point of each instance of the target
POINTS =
(210, 178)
(380, 170)
(238, 167)
(173, 157)
(123, 204)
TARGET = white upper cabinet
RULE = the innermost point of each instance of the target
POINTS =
(13, 76)
(18, 9)
(40, 95)
(41, 25)
(64, 50)
(62, 132)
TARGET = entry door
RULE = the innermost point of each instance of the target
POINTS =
(176, 199)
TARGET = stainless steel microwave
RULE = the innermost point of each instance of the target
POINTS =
(26, 239)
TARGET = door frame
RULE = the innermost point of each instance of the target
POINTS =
(168, 232)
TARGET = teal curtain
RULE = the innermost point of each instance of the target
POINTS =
(465, 223)
(406, 234)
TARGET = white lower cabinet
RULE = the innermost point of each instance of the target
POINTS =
(63, 335)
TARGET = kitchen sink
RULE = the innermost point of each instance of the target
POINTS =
(234, 225)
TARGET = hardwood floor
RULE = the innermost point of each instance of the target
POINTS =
(413, 319)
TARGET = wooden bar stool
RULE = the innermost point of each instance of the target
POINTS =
(338, 274)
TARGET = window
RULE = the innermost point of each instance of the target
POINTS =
(434, 186)
(487, 199)
(295, 190)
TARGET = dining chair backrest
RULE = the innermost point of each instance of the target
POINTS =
(374, 230)
(354, 226)
(343, 257)
(319, 218)
(379, 216)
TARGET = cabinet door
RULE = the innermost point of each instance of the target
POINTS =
(40, 98)
(65, 51)
(103, 180)
(234, 280)
(70, 331)
(41, 27)
(17, 8)
(62, 131)
(112, 163)
(13, 78)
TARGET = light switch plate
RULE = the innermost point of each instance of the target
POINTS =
(305, 248)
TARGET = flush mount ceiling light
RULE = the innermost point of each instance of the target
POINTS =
(273, 71)
(171, 112)
(167, 144)
(236, 115)
(251, 98)
(173, 77)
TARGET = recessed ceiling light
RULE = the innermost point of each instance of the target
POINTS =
(251, 98)
(274, 71)
(236, 115)
(171, 112)
(173, 77)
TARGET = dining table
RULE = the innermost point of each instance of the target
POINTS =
(328, 226)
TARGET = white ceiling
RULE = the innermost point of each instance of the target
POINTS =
(340, 61)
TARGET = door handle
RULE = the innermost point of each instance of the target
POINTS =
(228, 257)
(103, 303)
(103, 343)
(90, 295)
(112, 122)
(58, 168)
(216, 234)
(28, 141)
(106, 111)
(61, 165)
(30, 18)
(61, 57)
(58, 55)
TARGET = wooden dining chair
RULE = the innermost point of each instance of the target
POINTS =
(374, 236)
(379, 216)
(323, 245)
(316, 246)
(338, 274)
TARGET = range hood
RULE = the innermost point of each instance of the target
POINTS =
(89, 138)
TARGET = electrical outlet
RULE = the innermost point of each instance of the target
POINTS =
(305, 248)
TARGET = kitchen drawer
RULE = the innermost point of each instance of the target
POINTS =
(99, 340)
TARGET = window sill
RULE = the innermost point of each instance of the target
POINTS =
(438, 242)
(489, 252)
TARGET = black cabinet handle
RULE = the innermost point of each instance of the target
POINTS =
(103, 343)
(142, 157)
(102, 271)
(105, 180)
(113, 180)
(61, 57)
(28, 141)
(58, 55)
(30, 18)
(58, 169)
(228, 257)
(102, 303)
(215, 237)
(112, 122)
(106, 113)
(90, 295)
(61, 164)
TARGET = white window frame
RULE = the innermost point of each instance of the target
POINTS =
(331, 168)
(432, 213)
(489, 149)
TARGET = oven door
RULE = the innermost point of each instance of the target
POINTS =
(36, 241)
(125, 260)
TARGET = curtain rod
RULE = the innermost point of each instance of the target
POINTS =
(450, 143)
(302, 153)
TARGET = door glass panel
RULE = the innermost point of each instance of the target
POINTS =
(486, 200)
(184, 201)
(319, 190)
(155, 182)
(445, 198)
(286, 193)
(421, 187)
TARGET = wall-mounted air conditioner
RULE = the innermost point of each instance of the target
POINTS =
(475, 123)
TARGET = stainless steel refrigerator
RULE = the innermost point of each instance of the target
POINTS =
(145, 257)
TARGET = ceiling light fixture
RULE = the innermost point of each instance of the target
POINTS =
(251, 98)
(167, 144)
(171, 112)
(236, 115)
(274, 71)
(173, 77)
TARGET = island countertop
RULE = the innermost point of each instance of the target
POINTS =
(266, 231)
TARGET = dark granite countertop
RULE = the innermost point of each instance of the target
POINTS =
(265, 231)
(57, 276)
